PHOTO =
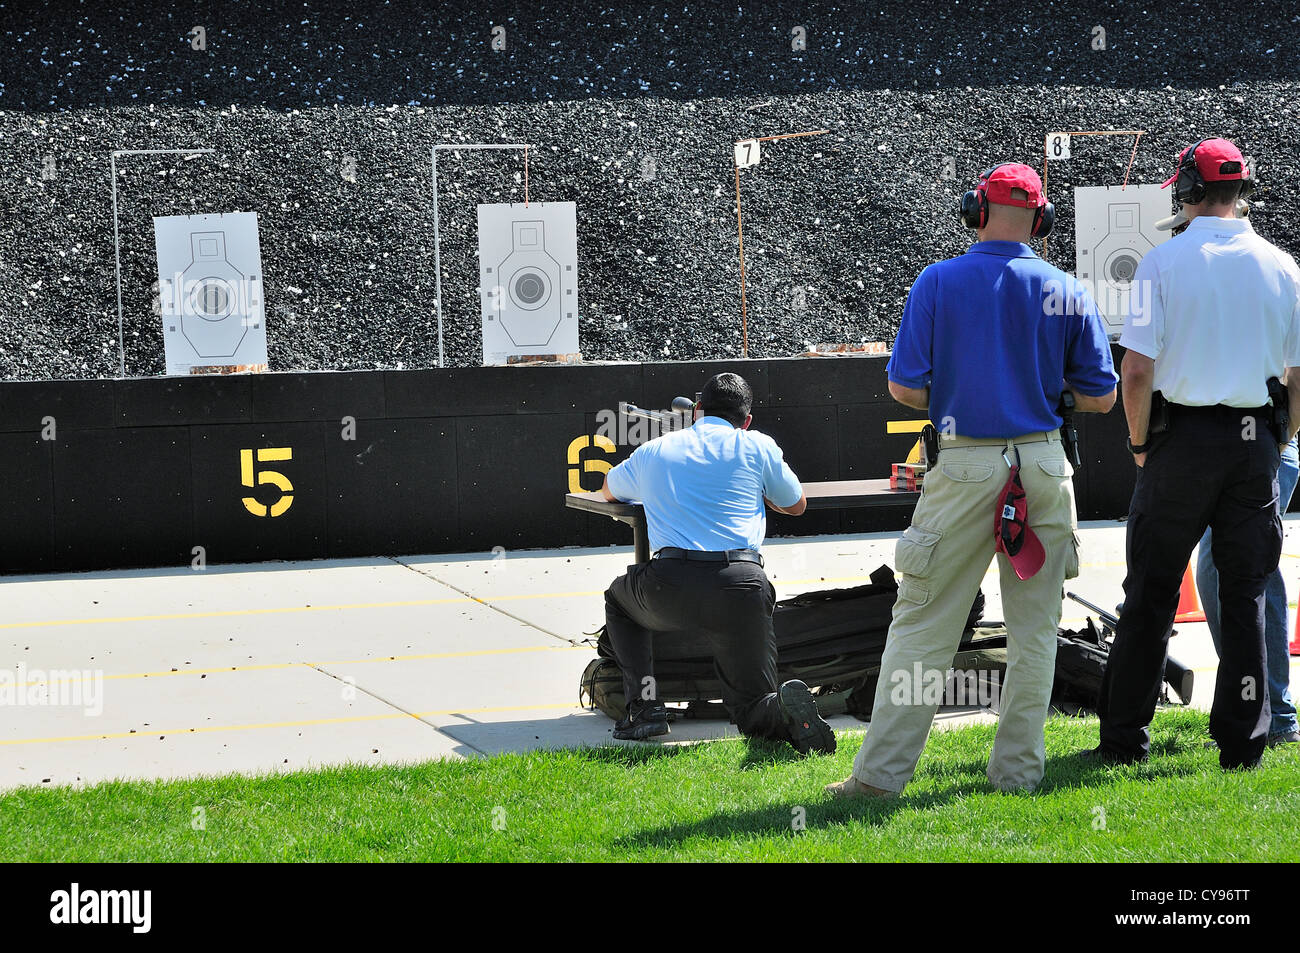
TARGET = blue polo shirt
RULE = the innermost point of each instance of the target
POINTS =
(995, 333)
(703, 487)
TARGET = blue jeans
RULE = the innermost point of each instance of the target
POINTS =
(1275, 608)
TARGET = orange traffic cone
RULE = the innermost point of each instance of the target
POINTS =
(1189, 609)
(1295, 642)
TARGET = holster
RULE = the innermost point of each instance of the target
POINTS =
(1069, 435)
(929, 446)
(1279, 418)
(1158, 421)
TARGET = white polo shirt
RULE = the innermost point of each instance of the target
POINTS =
(1218, 309)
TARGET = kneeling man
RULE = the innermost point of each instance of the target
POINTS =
(704, 489)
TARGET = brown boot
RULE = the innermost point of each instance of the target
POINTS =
(852, 787)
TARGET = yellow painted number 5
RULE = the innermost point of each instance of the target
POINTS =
(267, 455)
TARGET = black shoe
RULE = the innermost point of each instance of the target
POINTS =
(1100, 756)
(642, 723)
(1250, 765)
(808, 731)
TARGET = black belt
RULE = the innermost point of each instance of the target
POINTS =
(704, 556)
(1221, 410)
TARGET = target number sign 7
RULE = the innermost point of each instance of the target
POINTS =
(747, 153)
(1058, 145)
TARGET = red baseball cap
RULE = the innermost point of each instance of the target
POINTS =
(1012, 532)
(1001, 179)
(1215, 160)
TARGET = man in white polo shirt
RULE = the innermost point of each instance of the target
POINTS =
(1216, 315)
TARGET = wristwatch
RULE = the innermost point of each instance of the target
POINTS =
(1140, 448)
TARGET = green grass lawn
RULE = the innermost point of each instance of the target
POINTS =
(728, 800)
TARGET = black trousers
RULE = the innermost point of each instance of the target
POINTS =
(730, 603)
(1215, 467)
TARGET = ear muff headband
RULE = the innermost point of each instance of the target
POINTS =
(1044, 219)
(1189, 187)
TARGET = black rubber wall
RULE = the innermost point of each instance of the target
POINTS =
(108, 474)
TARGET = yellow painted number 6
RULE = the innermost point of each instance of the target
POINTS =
(576, 446)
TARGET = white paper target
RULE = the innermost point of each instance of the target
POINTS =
(528, 279)
(1114, 229)
(210, 291)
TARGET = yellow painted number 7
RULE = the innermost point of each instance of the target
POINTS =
(267, 455)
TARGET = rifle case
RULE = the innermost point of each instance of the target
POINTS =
(833, 640)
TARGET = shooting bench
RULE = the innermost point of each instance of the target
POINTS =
(836, 494)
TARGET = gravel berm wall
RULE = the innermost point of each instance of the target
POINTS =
(632, 110)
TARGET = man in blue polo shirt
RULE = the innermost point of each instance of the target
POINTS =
(988, 343)
(704, 489)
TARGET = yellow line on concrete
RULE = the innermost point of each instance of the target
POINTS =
(433, 655)
(226, 613)
(282, 724)
(221, 613)
(270, 666)
(488, 600)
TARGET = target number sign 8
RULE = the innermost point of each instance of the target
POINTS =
(1058, 145)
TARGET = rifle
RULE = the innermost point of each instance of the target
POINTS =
(675, 419)
(1179, 676)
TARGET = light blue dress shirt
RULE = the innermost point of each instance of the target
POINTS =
(703, 487)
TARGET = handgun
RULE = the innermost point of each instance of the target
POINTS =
(1069, 435)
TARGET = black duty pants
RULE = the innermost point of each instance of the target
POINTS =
(1215, 467)
(730, 603)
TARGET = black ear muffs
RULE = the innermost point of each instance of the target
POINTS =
(1247, 180)
(974, 208)
(1189, 187)
(1044, 219)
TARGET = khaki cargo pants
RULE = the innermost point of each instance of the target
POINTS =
(943, 556)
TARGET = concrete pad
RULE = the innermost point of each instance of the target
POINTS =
(559, 591)
(437, 689)
(524, 584)
(180, 726)
(287, 665)
(531, 729)
(181, 590)
(293, 616)
(278, 750)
